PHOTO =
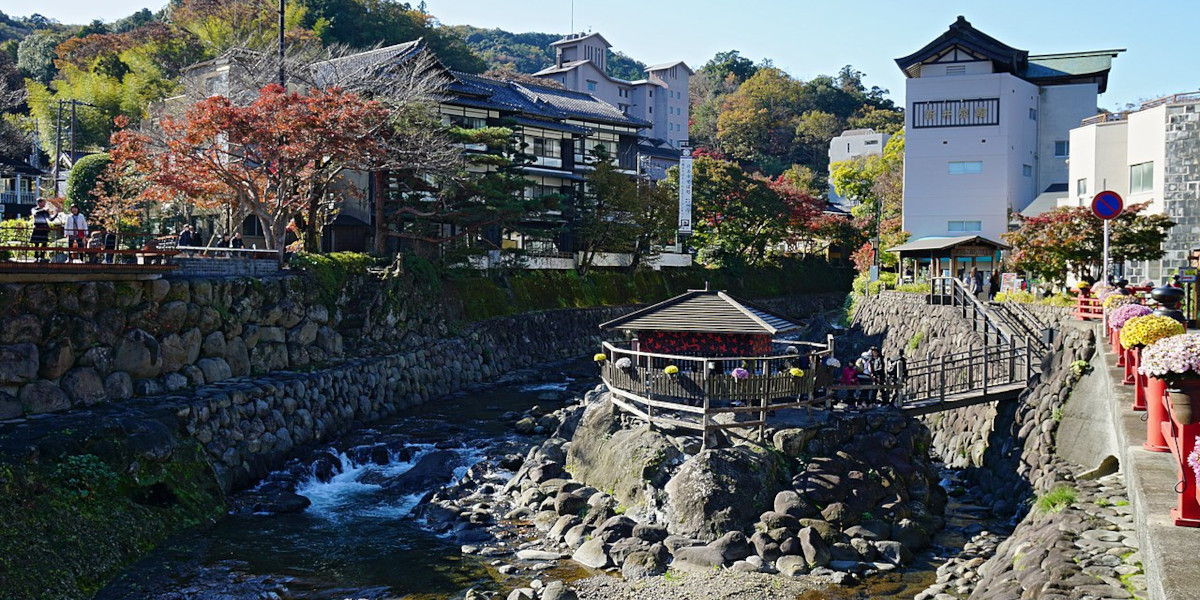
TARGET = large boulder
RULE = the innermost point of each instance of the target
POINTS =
(592, 554)
(642, 564)
(723, 489)
(697, 559)
(139, 354)
(733, 546)
(432, 470)
(42, 397)
(629, 462)
(816, 552)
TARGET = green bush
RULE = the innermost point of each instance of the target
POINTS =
(83, 179)
(484, 297)
(330, 272)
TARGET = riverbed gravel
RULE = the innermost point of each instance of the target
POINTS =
(723, 585)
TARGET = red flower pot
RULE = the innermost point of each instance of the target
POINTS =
(1182, 428)
(1157, 414)
(1130, 366)
(1139, 382)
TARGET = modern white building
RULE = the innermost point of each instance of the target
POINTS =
(1149, 155)
(852, 144)
(661, 98)
(988, 130)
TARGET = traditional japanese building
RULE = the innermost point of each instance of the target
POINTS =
(703, 323)
(987, 130)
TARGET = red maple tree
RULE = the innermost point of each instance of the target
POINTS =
(279, 158)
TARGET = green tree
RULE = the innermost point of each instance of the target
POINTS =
(877, 183)
(881, 120)
(760, 118)
(1071, 239)
(35, 55)
(83, 180)
(729, 65)
(814, 130)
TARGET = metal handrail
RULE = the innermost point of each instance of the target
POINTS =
(941, 287)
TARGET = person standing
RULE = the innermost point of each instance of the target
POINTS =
(236, 241)
(40, 236)
(995, 285)
(76, 231)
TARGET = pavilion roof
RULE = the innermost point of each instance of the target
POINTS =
(704, 311)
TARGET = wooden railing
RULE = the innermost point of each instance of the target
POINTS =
(948, 290)
(706, 387)
(1087, 308)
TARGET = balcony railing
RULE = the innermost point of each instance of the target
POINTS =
(1105, 118)
(14, 197)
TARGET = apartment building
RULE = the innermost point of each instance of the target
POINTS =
(988, 130)
(1149, 155)
(852, 144)
(661, 98)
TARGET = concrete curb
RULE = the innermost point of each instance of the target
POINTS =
(1169, 553)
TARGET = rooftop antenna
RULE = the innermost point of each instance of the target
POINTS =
(572, 16)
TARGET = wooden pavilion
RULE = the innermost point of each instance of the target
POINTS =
(948, 256)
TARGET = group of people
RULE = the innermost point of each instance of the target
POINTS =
(75, 229)
(189, 237)
(984, 288)
(870, 368)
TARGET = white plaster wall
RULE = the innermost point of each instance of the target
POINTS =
(1098, 153)
(932, 196)
(1147, 142)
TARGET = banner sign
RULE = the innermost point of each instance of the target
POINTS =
(685, 191)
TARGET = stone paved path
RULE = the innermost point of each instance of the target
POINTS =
(1088, 551)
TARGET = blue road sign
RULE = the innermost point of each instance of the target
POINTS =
(1107, 205)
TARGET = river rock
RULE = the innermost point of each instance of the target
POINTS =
(557, 590)
(733, 546)
(614, 528)
(816, 552)
(791, 503)
(138, 354)
(697, 559)
(909, 533)
(650, 533)
(592, 554)
(562, 526)
(522, 594)
(699, 506)
(55, 360)
(532, 554)
(893, 552)
(214, 345)
(791, 566)
(566, 503)
(431, 470)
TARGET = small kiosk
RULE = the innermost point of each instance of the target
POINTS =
(932, 257)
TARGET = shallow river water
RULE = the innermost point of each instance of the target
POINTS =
(358, 538)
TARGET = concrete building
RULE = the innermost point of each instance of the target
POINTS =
(661, 98)
(988, 130)
(852, 144)
(1149, 155)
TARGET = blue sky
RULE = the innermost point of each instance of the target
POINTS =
(811, 37)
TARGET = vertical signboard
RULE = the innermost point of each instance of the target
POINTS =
(685, 189)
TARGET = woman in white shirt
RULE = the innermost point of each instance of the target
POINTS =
(76, 230)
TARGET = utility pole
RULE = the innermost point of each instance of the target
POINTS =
(57, 146)
(282, 75)
(74, 124)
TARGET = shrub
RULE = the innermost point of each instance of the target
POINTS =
(330, 272)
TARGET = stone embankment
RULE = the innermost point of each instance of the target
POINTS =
(835, 498)
(1074, 537)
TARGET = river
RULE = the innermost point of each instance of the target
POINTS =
(358, 538)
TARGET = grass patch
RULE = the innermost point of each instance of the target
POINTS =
(1056, 500)
(915, 340)
(1121, 503)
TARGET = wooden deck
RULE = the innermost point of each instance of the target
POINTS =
(33, 272)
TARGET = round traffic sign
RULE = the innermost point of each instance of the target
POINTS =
(1107, 205)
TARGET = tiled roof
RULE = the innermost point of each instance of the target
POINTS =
(704, 311)
(578, 105)
(367, 61)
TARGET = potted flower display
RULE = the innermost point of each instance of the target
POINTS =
(1176, 361)
(1084, 289)
(1136, 334)
(740, 373)
(1116, 320)
(1194, 462)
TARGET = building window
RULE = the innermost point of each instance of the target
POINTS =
(623, 107)
(964, 226)
(545, 148)
(591, 86)
(1033, 114)
(869, 143)
(1081, 187)
(1141, 178)
(956, 113)
(251, 227)
(966, 167)
(1027, 170)
(651, 93)
(1062, 148)
(651, 108)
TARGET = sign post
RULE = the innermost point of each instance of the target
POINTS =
(1107, 205)
(685, 189)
